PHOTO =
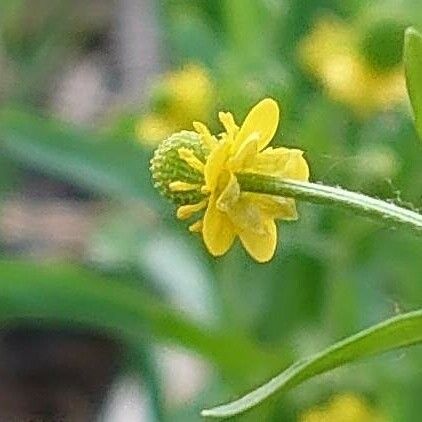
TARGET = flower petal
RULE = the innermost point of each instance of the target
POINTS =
(281, 162)
(262, 119)
(274, 206)
(246, 215)
(230, 195)
(260, 246)
(217, 230)
(271, 161)
(215, 163)
(245, 155)
(296, 167)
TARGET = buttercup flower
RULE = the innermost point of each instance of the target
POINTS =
(344, 408)
(198, 171)
(330, 52)
(179, 97)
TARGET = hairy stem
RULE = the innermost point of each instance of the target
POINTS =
(377, 209)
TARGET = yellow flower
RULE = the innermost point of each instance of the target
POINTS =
(190, 95)
(179, 98)
(331, 53)
(230, 212)
(152, 128)
(344, 408)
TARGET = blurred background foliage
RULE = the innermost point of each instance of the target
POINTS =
(87, 89)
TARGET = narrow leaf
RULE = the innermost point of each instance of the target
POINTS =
(68, 295)
(117, 168)
(413, 67)
(400, 331)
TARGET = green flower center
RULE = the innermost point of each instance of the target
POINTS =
(169, 168)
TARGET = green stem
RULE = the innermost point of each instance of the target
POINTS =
(376, 209)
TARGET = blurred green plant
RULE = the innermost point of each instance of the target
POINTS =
(401, 331)
(70, 155)
(404, 330)
(413, 65)
(63, 293)
(336, 273)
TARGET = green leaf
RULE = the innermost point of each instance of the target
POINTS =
(118, 168)
(73, 296)
(413, 67)
(403, 330)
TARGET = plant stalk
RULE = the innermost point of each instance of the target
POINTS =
(377, 209)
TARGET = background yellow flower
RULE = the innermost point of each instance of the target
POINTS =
(331, 53)
(343, 408)
(179, 98)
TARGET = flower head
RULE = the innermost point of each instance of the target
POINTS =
(178, 98)
(213, 164)
(331, 53)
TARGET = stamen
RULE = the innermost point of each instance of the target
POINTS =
(186, 211)
(209, 140)
(229, 124)
(179, 186)
(188, 155)
(205, 190)
(196, 227)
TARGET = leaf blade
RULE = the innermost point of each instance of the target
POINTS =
(116, 168)
(394, 333)
(413, 70)
(67, 294)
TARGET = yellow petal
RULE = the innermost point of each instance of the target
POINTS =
(246, 214)
(245, 155)
(230, 195)
(274, 206)
(263, 120)
(296, 167)
(217, 230)
(271, 161)
(215, 164)
(260, 246)
(281, 162)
